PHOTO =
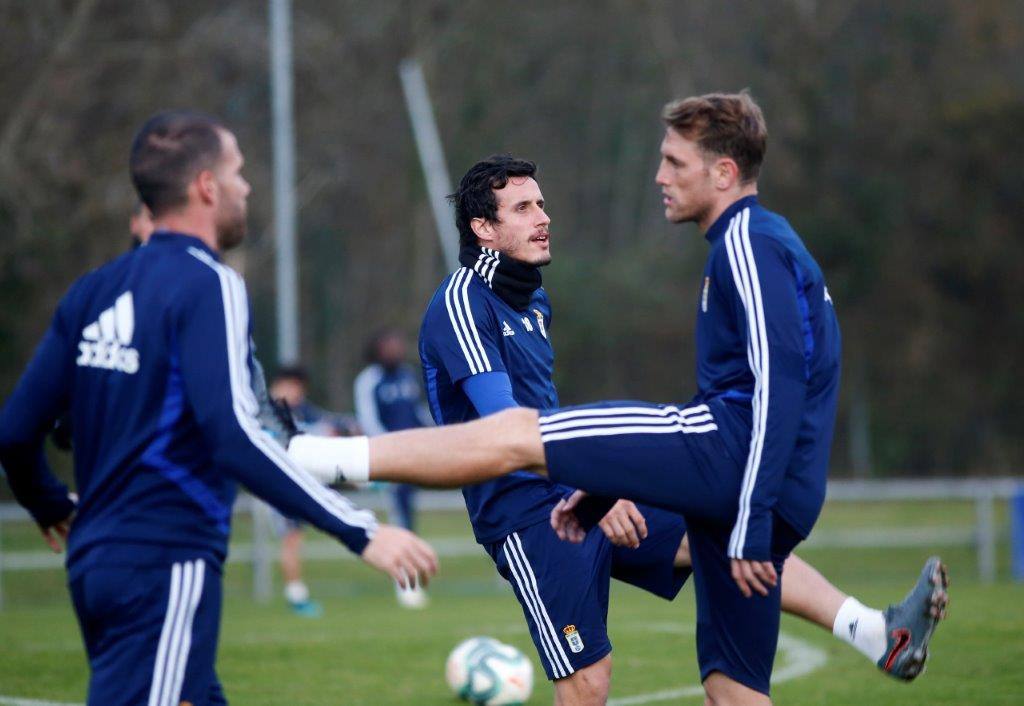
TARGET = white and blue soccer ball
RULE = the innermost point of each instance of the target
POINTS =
(487, 672)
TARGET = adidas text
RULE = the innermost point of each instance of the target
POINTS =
(106, 343)
(109, 356)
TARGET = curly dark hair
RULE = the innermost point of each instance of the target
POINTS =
(475, 196)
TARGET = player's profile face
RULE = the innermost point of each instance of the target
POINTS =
(684, 177)
(232, 207)
(521, 231)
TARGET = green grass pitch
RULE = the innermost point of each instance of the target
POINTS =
(365, 650)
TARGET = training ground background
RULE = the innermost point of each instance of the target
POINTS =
(365, 650)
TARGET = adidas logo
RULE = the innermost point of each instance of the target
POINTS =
(506, 330)
(105, 343)
(853, 629)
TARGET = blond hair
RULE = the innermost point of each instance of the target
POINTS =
(723, 124)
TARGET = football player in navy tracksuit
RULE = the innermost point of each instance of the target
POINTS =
(745, 461)
(484, 347)
(151, 355)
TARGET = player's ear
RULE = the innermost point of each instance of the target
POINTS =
(483, 228)
(205, 184)
(726, 173)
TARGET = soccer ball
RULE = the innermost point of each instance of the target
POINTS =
(486, 672)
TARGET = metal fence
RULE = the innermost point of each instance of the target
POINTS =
(983, 536)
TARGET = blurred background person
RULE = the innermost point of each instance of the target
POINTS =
(388, 397)
(290, 386)
(140, 224)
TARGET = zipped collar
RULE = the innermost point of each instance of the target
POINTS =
(721, 223)
(170, 237)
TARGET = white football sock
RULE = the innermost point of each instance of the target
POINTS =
(861, 627)
(332, 458)
(296, 592)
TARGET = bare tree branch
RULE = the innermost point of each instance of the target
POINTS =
(29, 103)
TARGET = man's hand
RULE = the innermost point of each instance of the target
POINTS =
(401, 555)
(55, 535)
(564, 521)
(624, 525)
(756, 575)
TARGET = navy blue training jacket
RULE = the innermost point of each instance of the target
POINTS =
(768, 347)
(151, 354)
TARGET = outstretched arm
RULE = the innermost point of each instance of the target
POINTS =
(211, 331)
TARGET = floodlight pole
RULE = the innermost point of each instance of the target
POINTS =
(431, 152)
(283, 138)
(283, 130)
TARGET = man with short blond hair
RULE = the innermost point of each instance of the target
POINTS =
(745, 460)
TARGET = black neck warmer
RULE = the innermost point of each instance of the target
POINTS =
(512, 280)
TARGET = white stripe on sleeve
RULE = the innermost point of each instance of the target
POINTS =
(245, 405)
(471, 323)
(458, 324)
(744, 271)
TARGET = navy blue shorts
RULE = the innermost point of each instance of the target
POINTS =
(737, 636)
(151, 633)
(676, 458)
(563, 587)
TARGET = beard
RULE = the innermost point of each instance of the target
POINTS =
(231, 229)
(694, 213)
(542, 260)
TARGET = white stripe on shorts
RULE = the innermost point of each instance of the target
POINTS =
(627, 419)
(186, 638)
(620, 431)
(665, 411)
(615, 421)
(176, 635)
(159, 666)
(527, 582)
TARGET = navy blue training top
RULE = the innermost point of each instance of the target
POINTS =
(151, 354)
(468, 330)
(768, 359)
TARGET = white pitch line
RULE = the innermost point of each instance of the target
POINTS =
(11, 701)
(802, 658)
